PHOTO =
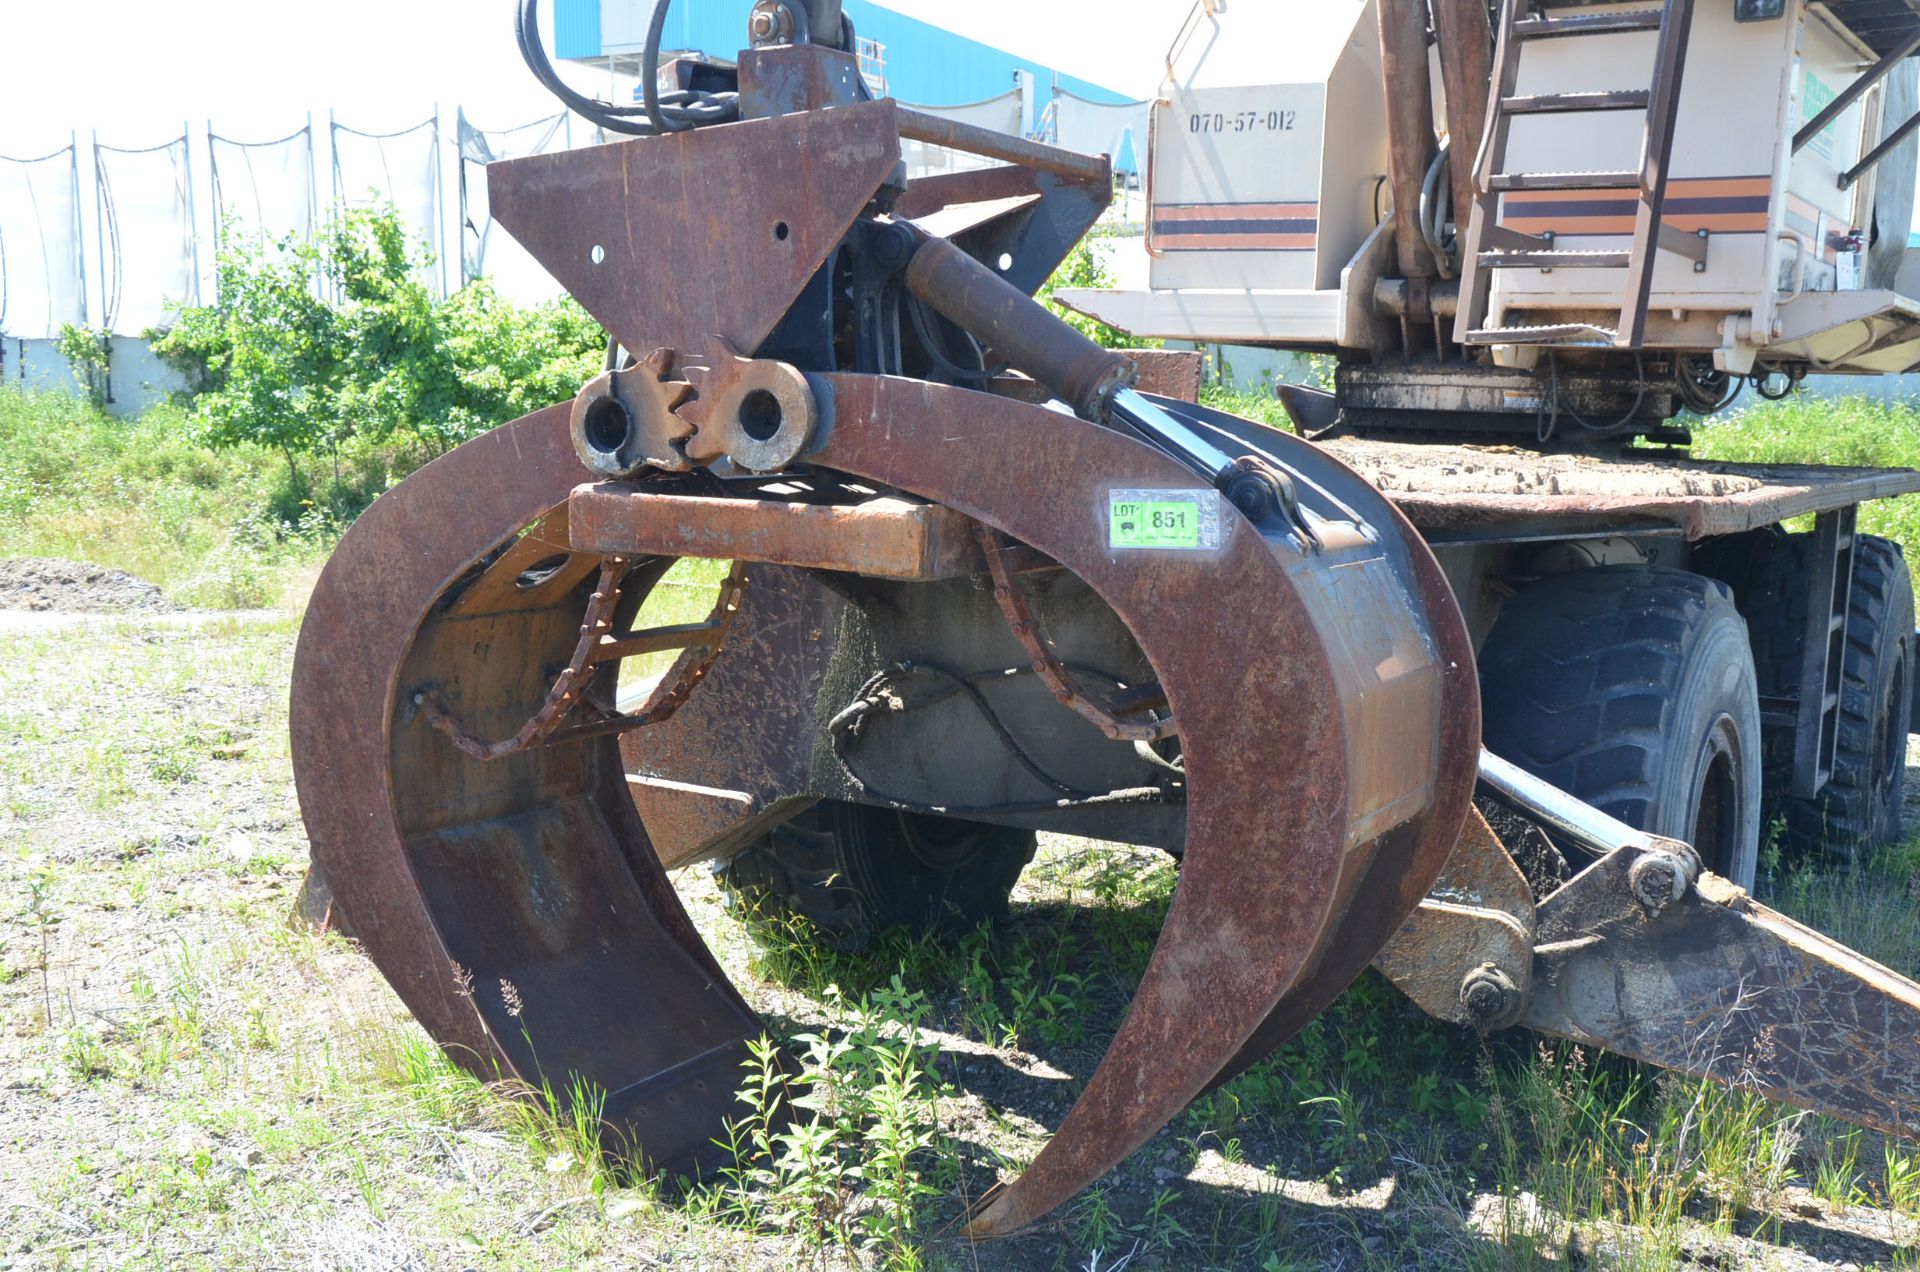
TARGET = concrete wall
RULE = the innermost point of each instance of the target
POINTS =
(138, 380)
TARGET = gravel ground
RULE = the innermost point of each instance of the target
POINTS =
(187, 1081)
(47, 583)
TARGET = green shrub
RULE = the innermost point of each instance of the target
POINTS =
(276, 363)
(88, 352)
(1808, 430)
(1086, 266)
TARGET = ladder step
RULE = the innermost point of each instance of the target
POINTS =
(1544, 28)
(1564, 333)
(1562, 181)
(1566, 103)
(1556, 260)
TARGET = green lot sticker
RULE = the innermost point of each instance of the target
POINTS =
(1814, 98)
(1180, 520)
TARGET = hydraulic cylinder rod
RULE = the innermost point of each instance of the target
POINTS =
(1095, 382)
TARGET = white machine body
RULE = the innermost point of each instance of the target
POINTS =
(1268, 191)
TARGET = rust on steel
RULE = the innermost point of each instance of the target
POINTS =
(722, 389)
(1012, 601)
(512, 903)
(1270, 882)
(566, 688)
(882, 537)
(1719, 986)
(1783, 493)
(600, 643)
(1465, 36)
(534, 873)
(1410, 146)
(643, 398)
(704, 785)
(1465, 955)
(491, 866)
(937, 130)
(663, 243)
(1172, 373)
(1018, 328)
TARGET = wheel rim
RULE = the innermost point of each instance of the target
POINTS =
(1716, 819)
(939, 843)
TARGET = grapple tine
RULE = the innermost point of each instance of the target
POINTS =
(515, 904)
(1399, 867)
(1287, 753)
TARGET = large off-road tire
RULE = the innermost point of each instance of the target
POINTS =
(1633, 688)
(851, 870)
(1859, 809)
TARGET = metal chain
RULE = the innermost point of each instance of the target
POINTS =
(598, 645)
(1026, 629)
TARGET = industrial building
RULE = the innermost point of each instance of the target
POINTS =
(901, 57)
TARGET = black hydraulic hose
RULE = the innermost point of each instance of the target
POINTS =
(852, 720)
(650, 86)
(659, 112)
(1433, 215)
(930, 345)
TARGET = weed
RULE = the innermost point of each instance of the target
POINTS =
(1161, 1228)
(44, 918)
(1836, 1178)
(834, 1149)
(1096, 1225)
(1902, 1179)
(1343, 1134)
(84, 1055)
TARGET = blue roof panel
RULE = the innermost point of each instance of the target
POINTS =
(925, 64)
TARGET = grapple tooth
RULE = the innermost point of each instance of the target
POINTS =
(660, 362)
(516, 906)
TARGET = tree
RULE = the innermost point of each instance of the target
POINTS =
(275, 362)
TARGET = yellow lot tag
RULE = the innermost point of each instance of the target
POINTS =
(1186, 520)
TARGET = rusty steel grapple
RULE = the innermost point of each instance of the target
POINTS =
(979, 578)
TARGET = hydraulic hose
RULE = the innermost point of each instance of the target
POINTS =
(658, 113)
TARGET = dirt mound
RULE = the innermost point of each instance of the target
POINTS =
(47, 583)
(1421, 468)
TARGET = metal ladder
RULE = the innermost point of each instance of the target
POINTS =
(1817, 711)
(1490, 246)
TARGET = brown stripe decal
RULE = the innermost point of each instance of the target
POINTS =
(1722, 205)
(1229, 211)
(1236, 227)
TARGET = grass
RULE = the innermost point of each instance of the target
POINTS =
(190, 1081)
(1809, 430)
(213, 529)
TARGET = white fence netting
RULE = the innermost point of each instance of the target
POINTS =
(148, 216)
(401, 168)
(1003, 114)
(1102, 128)
(266, 188)
(43, 283)
(486, 247)
(148, 268)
